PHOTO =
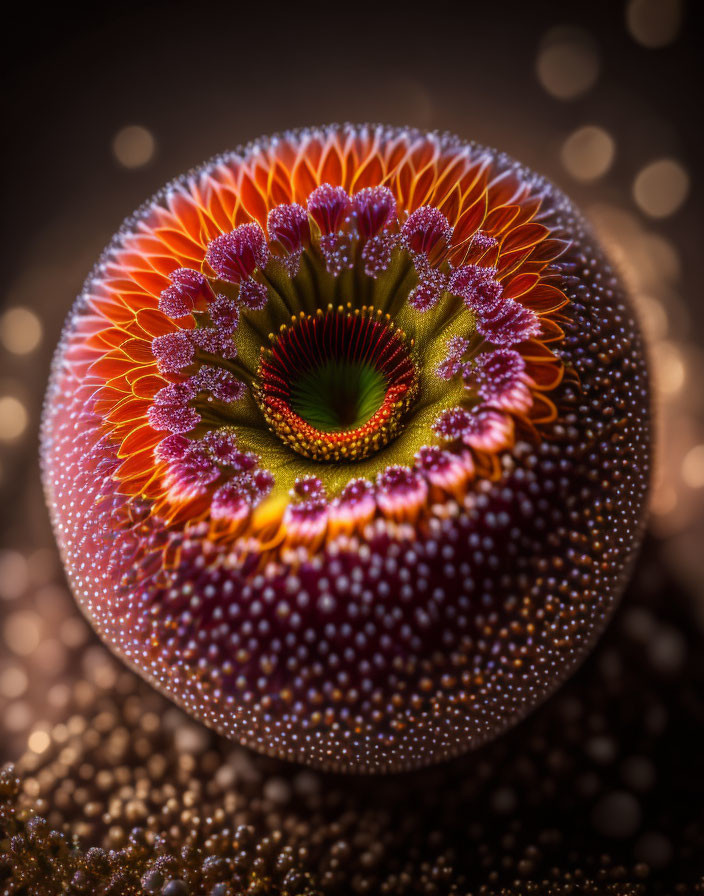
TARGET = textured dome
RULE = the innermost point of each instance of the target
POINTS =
(347, 444)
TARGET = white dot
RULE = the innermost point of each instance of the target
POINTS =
(13, 418)
(661, 187)
(588, 152)
(654, 23)
(133, 146)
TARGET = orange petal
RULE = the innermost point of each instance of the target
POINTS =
(523, 237)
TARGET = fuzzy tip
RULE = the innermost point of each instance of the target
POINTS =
(328, 206)
(374, 208)
(235, 256)
(288, 225)
(425, 231)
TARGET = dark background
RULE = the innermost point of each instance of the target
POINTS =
(197, 79)
(202, 78)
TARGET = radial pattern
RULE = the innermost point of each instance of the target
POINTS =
(347, 444)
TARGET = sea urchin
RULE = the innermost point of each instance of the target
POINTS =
(347, 444)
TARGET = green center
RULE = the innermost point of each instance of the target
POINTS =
(311, 395)
(338, 395)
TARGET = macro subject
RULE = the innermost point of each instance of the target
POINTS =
(347, 444)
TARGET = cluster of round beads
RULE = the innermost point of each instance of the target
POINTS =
(391, 533)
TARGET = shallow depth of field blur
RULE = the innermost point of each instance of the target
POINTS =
(600, 97)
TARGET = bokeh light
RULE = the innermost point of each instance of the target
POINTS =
(654, 23)
(38, 741)
(693, 467)
(13, 682)
(603, 99)
(20, 330)
(670, 370)
(588, 152)
(134, 146)
(22, 632)
(13, 418)
(14, 574)
(661, 187)
(567, 63)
